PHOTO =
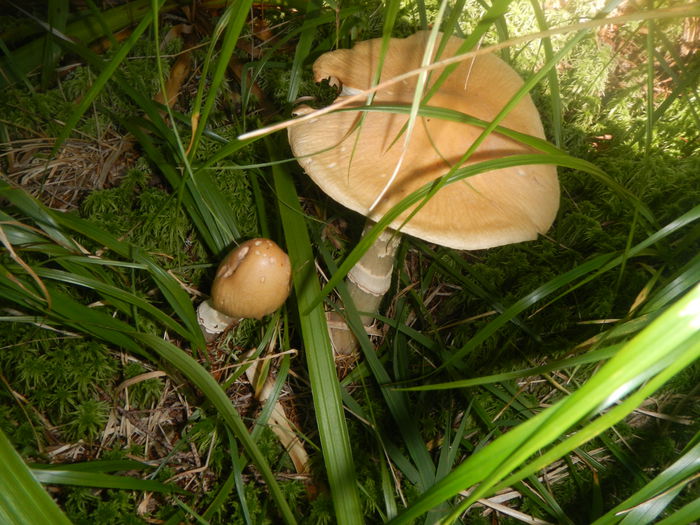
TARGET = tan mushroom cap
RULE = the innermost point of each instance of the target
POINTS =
(490, 209)
(252, 281)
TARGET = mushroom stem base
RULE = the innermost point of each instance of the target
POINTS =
(211, 321)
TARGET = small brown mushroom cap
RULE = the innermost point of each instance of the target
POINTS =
(352, 164)
(252, 281)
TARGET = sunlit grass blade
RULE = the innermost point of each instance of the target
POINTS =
(493, 14)
(687, 515)
(333, 432)
(677, 285)
(595, 356)
(651, 500)
(643, 365)
(22, 499)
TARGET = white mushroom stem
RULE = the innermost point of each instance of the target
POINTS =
(211, 321)
(367, 282)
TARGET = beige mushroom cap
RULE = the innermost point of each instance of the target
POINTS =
(252, 281)
(490, 209)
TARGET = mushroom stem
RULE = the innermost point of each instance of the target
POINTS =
(212, 322)
(367, 282)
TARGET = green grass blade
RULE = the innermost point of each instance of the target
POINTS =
(301, 51)
(687, 515)
(333, 432)
(57, 16)
(85, 28)
(234, 18)
(600, 354)
(106, 465)
(203, 380)
(647, 503)
(659, 352)
(115, 292)
(98, 480)
(102, 79)
(552, 77)
(22, 499)
(397, 402)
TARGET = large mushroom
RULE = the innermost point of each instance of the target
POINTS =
(253, 280)
(353, 163)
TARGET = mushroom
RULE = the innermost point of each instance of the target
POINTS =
(252, 281)
(354, 164)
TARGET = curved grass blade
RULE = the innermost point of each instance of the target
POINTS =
(552, 77)
(22, 499)
(590, 357)
(106, 465)
(88, 98)
(333, 432)
(650, 501)
(99, 480)
(687, 515)
(111, 291)
(423, 473)
(643, 365)
(301, 51)
(232, 20)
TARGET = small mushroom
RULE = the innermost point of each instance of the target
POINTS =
(354, 164)
(252, 281)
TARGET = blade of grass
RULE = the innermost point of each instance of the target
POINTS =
(333, 432)
(651, 500)
(687, 515)
(659, 352)
(22, 499)
(98, 85)
(423, 473)
(595, 356)
(232, 20)
(57, 16)
(98, 480)
(301, 51)
(552, 77)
